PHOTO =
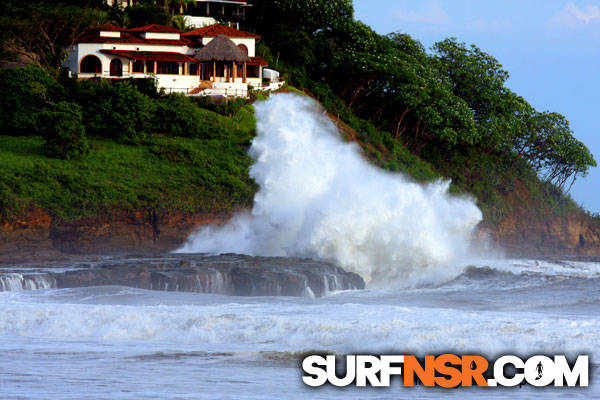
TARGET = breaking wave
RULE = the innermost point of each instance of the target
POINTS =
(320, 198)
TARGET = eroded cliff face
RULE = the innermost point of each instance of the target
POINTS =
(526, 229)
(37, 235)
(526, 234)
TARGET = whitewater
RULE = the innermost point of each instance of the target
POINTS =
(320, 198)
(429, 291)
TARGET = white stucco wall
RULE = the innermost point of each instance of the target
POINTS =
(171, 83)
(161, 35)
(199, 22)
(110, 34)
(176, 83)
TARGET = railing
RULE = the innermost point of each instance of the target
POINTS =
(178, 90)
(227, 92)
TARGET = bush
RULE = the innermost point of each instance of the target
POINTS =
(178, 115)
(24, 92)
(62, 128)
(115, 110)
(147, 86)
(227, 108)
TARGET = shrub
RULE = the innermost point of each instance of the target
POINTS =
(147, 86)
(177, 115)
(227, 108)
(25, 91)
(62, 128)
(114, 110)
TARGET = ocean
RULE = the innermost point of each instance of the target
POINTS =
(116, 342)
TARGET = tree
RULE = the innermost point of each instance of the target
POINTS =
(25, 91)
(62, 128)
(113, 109)
(550, 147)
(39, 32)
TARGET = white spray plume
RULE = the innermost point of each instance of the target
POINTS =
(320, 198)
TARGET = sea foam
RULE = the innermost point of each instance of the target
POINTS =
(320, 198)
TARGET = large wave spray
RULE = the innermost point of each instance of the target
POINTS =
(320, 198)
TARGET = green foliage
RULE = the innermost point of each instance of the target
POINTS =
(37, 31)
(227, 107)
(176, 115)
(62, 128)
(25, 92)
(147, 86)
(113, 109)
(148, 13)
(162, 173)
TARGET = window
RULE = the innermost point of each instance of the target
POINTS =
(138, 66)
(164, 67)
(150, 67)
(193, 69)
(90, 65)
(244, 48)
(253, 71)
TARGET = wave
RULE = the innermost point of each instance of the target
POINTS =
(299, 325)
(320, 198)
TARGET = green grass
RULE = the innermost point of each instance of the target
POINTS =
(162, 173)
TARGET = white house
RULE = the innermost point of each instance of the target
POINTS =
(178, 60)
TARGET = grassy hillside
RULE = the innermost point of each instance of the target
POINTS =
(162, 173)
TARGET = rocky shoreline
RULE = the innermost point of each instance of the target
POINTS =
(230, 274)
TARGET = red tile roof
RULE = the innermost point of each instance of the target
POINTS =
(151, 55)
(257, 61)
(130, 39)
(106, 28)
(216, 30)
(155, 28)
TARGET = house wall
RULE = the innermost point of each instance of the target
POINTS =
(176, 83)
(161, 35)
(199, 22)
(171, 83)
(110, 34)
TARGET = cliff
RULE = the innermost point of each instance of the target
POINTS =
(37, 235)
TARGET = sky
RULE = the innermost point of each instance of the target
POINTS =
(551, 48)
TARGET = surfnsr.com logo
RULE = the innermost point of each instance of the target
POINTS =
(446, 370)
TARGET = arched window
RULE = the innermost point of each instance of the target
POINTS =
(116, 67)
(243, 48)
(90, 65)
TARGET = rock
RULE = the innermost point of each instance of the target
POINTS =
(230, 274)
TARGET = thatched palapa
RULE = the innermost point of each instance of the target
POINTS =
(221, 48)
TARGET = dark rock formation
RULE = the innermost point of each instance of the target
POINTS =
(226, 274)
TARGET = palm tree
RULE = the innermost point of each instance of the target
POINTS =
(180, 22)
(180, 5)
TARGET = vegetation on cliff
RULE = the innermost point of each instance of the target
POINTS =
(448, 107)
(74, 148)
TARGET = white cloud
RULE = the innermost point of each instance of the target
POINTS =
(573, 15)
(430, 13)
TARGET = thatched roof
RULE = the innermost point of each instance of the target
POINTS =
(222, 48)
